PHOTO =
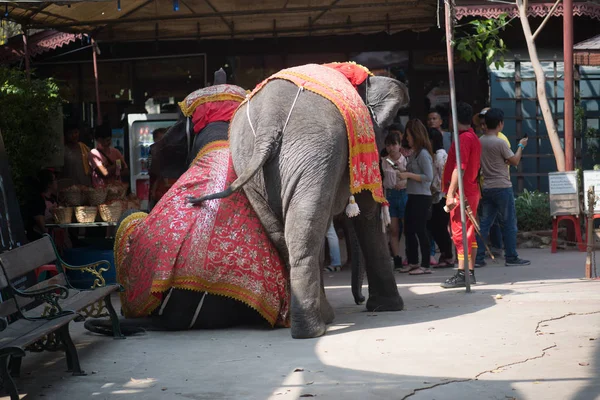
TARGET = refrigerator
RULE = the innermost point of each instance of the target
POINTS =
(140, 131)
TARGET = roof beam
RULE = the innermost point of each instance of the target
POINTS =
(406, 23)
(40, 8)
(222, 15)
(125, 15)
(318, 17)
(229, 25)
(18, 6)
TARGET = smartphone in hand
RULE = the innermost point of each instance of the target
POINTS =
(392, 164)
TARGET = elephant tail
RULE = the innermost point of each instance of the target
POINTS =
(262, 154)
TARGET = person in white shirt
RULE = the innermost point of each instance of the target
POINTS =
(395, 192)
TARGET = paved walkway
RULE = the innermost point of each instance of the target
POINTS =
(540, 340)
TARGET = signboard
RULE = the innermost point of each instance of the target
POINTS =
(564, 193)
(563, 182)
(591, 178)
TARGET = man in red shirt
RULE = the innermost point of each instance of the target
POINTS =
(470, 155)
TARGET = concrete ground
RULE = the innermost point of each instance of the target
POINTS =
(524, 333)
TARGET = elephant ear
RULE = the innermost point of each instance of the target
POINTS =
(384, 97)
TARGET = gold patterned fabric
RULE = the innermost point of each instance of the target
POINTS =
(220, 247)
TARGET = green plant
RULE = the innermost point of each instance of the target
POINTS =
(592, 136)
(480, 40)
(579, 115)
(533, 211)
(26, 109)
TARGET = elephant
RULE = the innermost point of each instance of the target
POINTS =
(196, 149)
(290, 150)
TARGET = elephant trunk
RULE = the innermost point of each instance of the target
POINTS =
(262, 153)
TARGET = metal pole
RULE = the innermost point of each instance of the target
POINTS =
(590, 237)
(95, 61)
(568, 65)
(26, 49)
(463, 214)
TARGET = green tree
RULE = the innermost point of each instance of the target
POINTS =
(26, 109)
(480, 40)
(8, 29)
(485, 44)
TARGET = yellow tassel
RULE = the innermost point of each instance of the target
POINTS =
(385, 217)
(352, 209)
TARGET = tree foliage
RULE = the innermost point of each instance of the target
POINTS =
(27, 107)
(8, 29)
(480, 40)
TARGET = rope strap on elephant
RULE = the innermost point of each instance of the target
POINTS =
(337, 83)
(220, 248)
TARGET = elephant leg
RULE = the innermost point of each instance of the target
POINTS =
(383, 291)
(187, 309)
(223, 312)
(305, 230)
(356, 260)
(178, 309)
(326, 310)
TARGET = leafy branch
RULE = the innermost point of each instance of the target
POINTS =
(480, 40)
(27, 107)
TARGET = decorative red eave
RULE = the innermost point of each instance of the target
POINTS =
(38, 43)
(580, 9)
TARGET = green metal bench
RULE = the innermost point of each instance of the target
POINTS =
(44, 310)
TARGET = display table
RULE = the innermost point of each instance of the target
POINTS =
(82, 225)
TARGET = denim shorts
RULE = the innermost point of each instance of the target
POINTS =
(397, 200)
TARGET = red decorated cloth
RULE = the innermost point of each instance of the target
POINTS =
(211, 104)
(336, 87)
(220, 248)
(356, 74)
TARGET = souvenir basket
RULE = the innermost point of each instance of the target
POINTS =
(111, 212)
(95, 196)
(133, 203)
(116, 191)
(63, 215)
(86, 214)
(71, 196)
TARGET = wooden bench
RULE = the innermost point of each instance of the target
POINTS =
(40, 314)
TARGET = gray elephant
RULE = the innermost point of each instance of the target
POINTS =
(290, 148)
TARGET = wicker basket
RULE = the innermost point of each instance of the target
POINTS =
(111, 212)
(72, 196)
(63, 215)
(116, 192)
(95, 196)
(86, 214)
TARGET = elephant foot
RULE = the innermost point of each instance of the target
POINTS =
(358, 298)
(304, 330)
(377, 303)
(327, 312)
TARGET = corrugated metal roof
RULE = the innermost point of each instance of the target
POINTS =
(211, 19)
(589, 44)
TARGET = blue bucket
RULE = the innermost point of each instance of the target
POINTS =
(89, 255)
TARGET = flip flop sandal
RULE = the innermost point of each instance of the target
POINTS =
(408, 268)
(420, 271)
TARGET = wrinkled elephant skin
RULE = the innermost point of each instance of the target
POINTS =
(304, 181)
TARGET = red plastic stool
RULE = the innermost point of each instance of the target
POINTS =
(577, 226)
(50, 268)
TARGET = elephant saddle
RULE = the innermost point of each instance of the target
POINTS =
(337, 83)
(220, 248)
(212, 103)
